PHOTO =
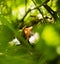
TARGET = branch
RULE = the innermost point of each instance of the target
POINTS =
(53, 13)
(37, 7)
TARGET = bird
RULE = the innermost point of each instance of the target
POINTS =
(27, 32)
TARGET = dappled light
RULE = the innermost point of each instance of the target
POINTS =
(29, 31)
(50, 36)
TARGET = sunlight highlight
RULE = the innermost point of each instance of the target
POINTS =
(58, 50)
(50, 36)
(14, 12)
(34, 38)
(21, 12)
(18, 12)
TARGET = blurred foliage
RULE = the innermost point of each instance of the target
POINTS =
(15, 15)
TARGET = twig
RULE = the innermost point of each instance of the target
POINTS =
(37, 7)
(53, 13)
(39, 10)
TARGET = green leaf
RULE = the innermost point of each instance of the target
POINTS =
(20, 2)
(38, 1)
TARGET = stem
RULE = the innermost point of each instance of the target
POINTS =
(39, 10)
(37, 7)
(25, 5)
(53, 13)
